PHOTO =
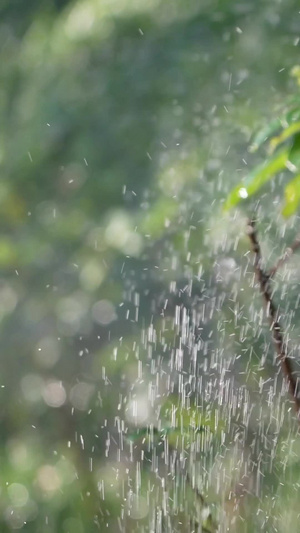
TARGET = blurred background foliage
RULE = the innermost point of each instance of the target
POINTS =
(126, 293)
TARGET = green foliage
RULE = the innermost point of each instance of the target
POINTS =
(181, 424)
(257, 178)
(281, 131)
(116, 121)
(181, 430)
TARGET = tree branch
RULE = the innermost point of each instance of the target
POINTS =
(273, 314)
(287, 254)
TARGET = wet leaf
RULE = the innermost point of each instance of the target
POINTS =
(257, 178)
(294, 155)
(189, 420)
(292, 197)
(157, 434)
(264, 134)
(288, 123)
(293, 115)
(284, 136)
(144, 433)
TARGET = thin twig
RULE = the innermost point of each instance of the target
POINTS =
(196, 490)
(264, 281)
(213, 526)
(286, 255)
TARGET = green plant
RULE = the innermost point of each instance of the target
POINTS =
(282, 138)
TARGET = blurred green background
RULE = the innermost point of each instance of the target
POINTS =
(126, 294)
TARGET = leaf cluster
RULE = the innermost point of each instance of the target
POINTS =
(281, 137)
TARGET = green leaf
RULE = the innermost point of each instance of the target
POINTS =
(292, 197)
(257, 178)
(144, 433)
(284, 136)
(294, 155)
(154, 433)
(293, 114)
(179, 423)
(265, 133)
(191, 420)
(286, 121)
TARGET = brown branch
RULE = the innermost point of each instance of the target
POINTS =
(212, 524)
(195, 489)
(273, 314)
(287, 254)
